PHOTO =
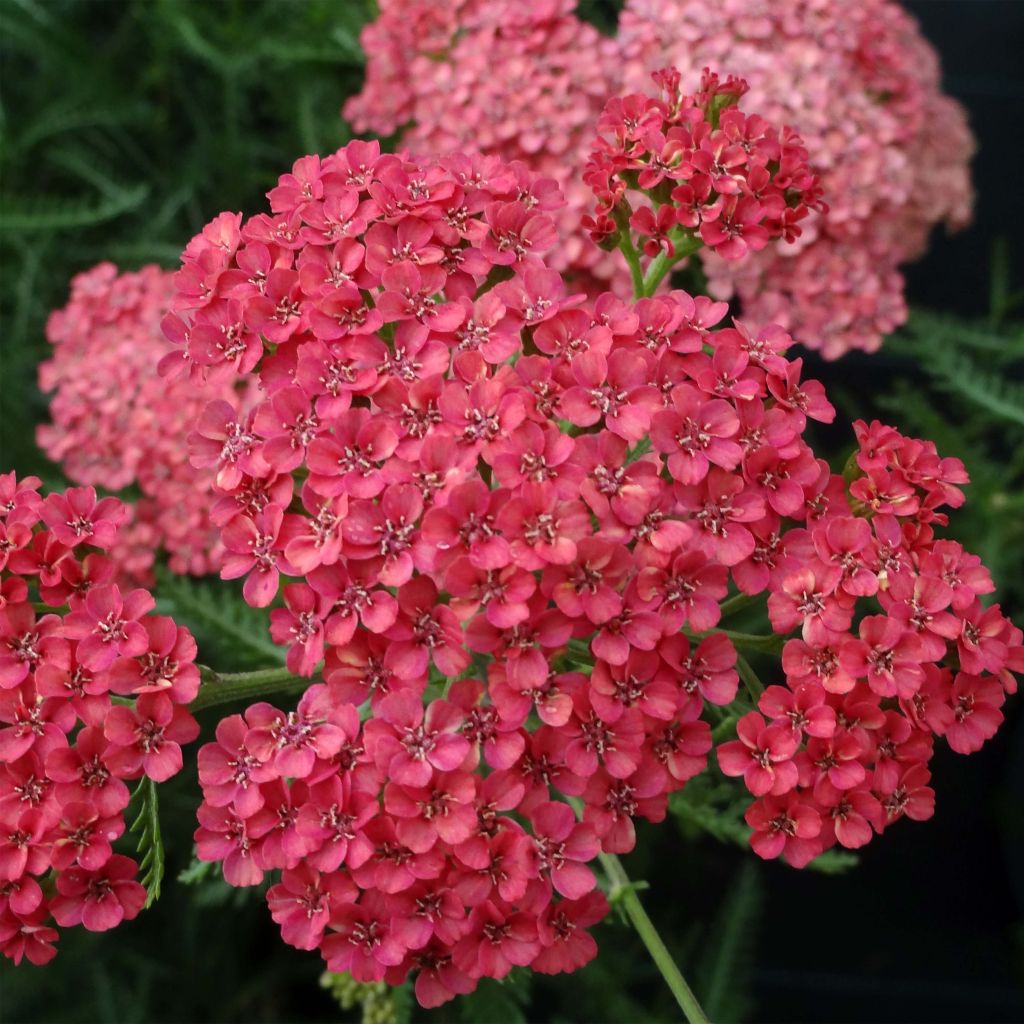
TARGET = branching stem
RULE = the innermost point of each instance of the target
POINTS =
(228, 687)
(623, 891)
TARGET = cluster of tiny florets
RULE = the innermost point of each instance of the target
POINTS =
(499, 520)
(890, 646)
(93, 691)
(863, 87)
(858, 81)
(701, 169)
(117, 425)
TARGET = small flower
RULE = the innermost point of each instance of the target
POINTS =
(762, 755)
(101, 899)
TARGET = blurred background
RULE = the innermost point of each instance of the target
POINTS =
(126, 125)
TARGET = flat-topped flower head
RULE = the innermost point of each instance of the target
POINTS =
(504, 522)
(117, 424)
(715, 176)
(94, 691)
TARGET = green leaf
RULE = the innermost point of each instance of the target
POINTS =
(52, 213)
(85, 167)
(198, 872)
(927, 331)
(498, 1002)
(991, 391)
(834, 862)
(219, 615)
(149, 842)
(724, 973)
(642, 447)
(71, 115)
(710, 808)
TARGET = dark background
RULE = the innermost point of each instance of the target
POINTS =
(928, 928)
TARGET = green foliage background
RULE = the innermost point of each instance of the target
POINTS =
(125, 125)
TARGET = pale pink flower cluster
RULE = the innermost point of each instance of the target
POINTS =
(857, 80)
(862, 86)
(524, 82)
(117, 425)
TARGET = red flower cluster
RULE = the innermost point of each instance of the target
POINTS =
(91, 694)
(843, 752)
(390, 384)
(703, 170)
(509, 517)
(116, 423)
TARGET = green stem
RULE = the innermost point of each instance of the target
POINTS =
(726, 729)
(581, 648)
(750, 679)
(623, 891)
(685, 246)
(736, 603)
(228, 687)
(628, 250)
(771, 644)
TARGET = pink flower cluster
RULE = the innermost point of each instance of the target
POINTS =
(858, 81)
(116, 424)
(93, 691)
(716, 177)
(894, 648)
(387, 369)
(507, 517)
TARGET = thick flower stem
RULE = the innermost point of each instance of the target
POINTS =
(228, 687)
(623, 891)
(750, 678)
(633, 259)
(736, 603)
(663, 263)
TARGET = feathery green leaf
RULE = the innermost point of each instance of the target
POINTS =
(149, 841)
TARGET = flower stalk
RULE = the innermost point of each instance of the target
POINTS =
(623, 891)
(228, 687)
(685, 245)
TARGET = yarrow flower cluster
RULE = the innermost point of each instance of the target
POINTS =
(116, 424)
(499, 521)
(93, 691)
(858, 80)
(894, 648)
(714, 176)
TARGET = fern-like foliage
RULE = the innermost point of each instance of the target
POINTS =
(712, 806)
(977, 362)
(221, 620)
(149, 842)
(205, 879)
(724, 971)
(44, 213)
